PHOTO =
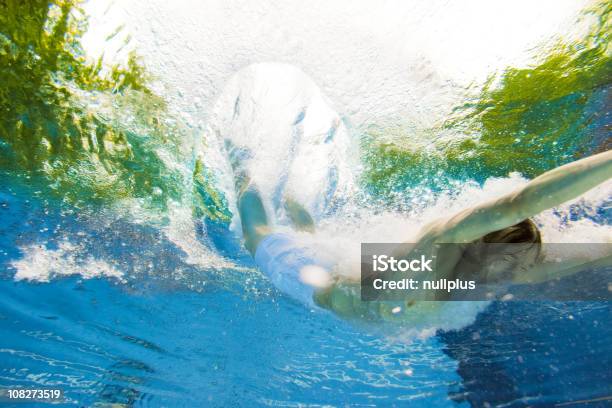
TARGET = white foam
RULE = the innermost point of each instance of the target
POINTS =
(181, 231)
(295, 145)
(42, 264)
(426, 318)
(557, 227)
(407, 61)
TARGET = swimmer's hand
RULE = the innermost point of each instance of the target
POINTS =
(316, 276)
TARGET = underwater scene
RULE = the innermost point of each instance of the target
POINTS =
(185, 188)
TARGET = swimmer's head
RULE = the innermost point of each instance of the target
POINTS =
(525, 231)
(501, 254)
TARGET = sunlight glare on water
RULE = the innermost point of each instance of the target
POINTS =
(403, 62)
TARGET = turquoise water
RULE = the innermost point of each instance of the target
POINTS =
(123, 277)
(158, 340)
(184, 349)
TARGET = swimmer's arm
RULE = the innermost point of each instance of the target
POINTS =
(556, 270)
(545, 191)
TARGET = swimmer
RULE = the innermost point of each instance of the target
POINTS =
(507, 220)
(309, 277)
(502, 220)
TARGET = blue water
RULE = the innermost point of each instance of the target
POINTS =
(101, 343)
(227, 338)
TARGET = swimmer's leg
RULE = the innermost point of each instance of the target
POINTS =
(299, 216)
(255, 225)
(253, 217)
